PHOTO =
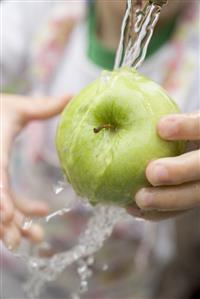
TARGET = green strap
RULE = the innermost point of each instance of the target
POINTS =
(161, 37)
(105, 57)
(99, 54)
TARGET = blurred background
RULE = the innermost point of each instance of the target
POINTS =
(58, 47)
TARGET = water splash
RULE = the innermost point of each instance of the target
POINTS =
(60, 212)
(84, 272)
(59, 187)
(99, 228)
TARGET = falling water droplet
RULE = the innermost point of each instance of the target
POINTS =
(105, 267)
(90, 260)
(59, 186)
(58, 189)
(83, 286)
(33, 264)
(84, 272)
(82, 269)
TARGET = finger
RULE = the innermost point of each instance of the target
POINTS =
(173, 198)
(6, 201)
(174, 171)
(153, 215)
(12, 236)
(180, 127)
(34, 233)
(1, 231)
(31, 207)
(44, 108)
(6, 207)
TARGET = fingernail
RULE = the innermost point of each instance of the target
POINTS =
(159, 174)
(144, 199)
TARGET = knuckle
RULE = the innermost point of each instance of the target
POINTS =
(36, 233)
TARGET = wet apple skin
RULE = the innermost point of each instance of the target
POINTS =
(109, 166)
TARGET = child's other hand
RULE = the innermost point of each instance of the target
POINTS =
(176, 180)
(16, 112)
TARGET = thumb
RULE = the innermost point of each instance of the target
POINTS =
(45, 108)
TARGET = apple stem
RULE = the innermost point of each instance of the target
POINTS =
(106, 126)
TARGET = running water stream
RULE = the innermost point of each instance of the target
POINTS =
(137, 28)
(136, 31)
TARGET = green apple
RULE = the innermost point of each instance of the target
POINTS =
(107, 135)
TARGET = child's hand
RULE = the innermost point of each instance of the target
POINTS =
(176, 180)
(16, 112)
